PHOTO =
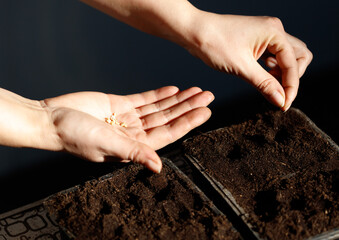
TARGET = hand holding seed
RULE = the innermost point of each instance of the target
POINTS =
(146, 122)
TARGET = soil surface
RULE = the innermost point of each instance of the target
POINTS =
(137, 204)
(279, 169)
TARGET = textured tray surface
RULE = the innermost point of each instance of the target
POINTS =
(28, 222)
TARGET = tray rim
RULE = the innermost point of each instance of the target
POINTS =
(106, 177)
(230, 200)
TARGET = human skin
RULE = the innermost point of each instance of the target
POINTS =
(228, 43)
(75, 123)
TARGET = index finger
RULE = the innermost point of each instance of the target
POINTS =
(289, 69)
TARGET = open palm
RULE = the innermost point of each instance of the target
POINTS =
(154, 119)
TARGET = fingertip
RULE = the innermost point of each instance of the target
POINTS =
(291, 94)
(173, 89)
(169, 90)
(266, 83)
(143, 154)
(195, 90)
(210, 95)
(154, 165)
(271, 62)
(285, 108)
(201, 115)
(205, 98)
(152, 161)
(209, 113)
(277, 99)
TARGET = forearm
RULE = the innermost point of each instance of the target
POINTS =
(228, 43)
(168, 19)
(25, 123)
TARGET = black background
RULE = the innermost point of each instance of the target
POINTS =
(53, 47)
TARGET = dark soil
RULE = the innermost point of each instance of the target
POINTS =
(137, 204)
(279, 169)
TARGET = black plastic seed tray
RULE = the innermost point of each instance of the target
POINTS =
(230, 200)
(29, 222)
(167, 162)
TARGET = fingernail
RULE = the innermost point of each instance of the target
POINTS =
(287, 108)
(155, 167)
(278, 99)
(271, 64)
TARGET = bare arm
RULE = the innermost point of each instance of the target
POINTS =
(75, 123)
(163, 18)
(25, 123)
(228, 43)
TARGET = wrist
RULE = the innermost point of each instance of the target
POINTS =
(33, 127)
(177, 22)
(198, 31)
(26, 123)
(49, 137)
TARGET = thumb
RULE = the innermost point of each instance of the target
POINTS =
(265, 83)
(138, 152)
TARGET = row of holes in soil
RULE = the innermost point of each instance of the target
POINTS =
(278, 172)
(134, 203)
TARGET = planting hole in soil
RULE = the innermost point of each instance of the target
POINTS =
(134, 203)
(281, 170)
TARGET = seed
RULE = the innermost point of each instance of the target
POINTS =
(112, 120)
